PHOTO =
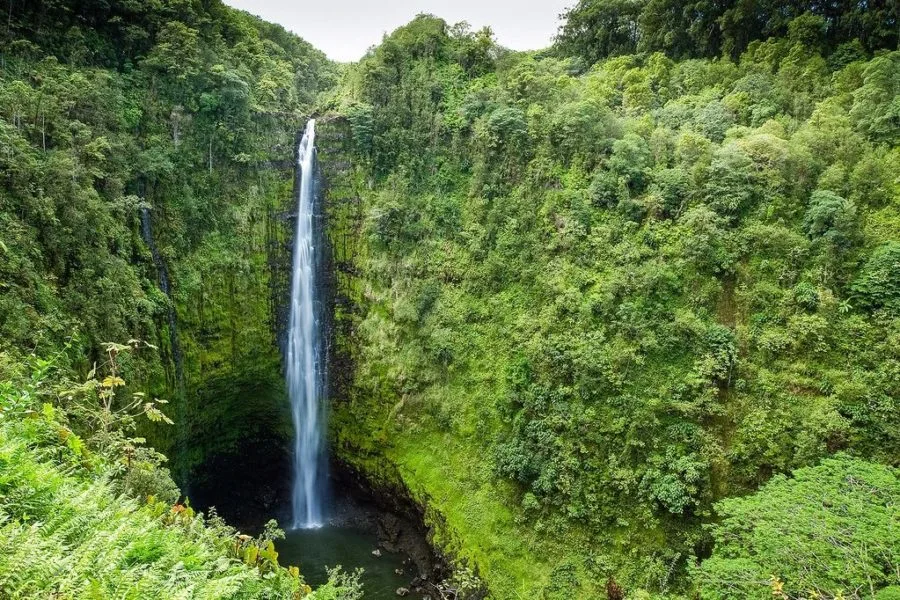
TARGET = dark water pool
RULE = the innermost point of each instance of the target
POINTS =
(315, 550)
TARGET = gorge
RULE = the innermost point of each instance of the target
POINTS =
(616, 319)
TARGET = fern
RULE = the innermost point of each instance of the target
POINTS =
(69, 532)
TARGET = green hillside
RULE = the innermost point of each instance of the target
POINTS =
(108, 108)
(595, 300)
(621, 316)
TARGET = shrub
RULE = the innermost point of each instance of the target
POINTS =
(878, 285)
(889, 593)
(733, 185)
(828, 529)
(831, 218)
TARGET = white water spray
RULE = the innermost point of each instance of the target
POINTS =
(304, 368)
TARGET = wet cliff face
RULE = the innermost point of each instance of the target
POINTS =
(230, 447)
(341, 185)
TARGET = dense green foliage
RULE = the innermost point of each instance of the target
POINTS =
(108, 107)
(594, 298)
(87, 511)
(598, 29)
(85, 146)
(185, 109)
(592, 306)
(831, 529)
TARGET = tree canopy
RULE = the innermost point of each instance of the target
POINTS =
(632, 290)
(597, 29)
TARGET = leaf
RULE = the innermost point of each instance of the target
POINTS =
(222, 564)
(116, 348)
(75, 444)
(269, 553)
(48, 411)
(113, 382)
(156, 415)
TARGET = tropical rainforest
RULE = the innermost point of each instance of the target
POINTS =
(622, 315)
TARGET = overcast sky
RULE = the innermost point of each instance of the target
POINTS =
(345, 29)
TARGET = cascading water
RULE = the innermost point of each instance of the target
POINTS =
(305, 372)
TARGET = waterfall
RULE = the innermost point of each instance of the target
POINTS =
(305, 371)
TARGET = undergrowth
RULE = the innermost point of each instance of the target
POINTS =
(87, 511)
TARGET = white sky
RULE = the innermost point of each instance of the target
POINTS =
(345, 29)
